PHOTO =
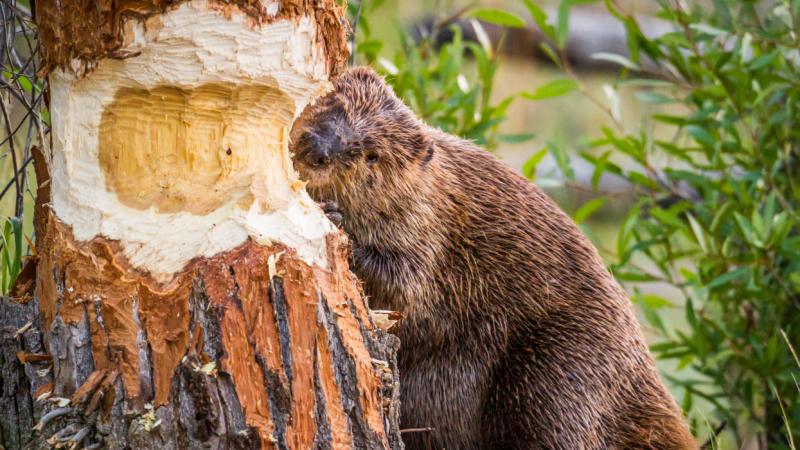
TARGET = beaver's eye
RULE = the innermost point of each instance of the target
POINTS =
(372, 157)
(355, 151)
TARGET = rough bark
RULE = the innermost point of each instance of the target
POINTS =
(315, 403)
(267, 342)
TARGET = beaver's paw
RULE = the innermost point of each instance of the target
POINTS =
(331, 209)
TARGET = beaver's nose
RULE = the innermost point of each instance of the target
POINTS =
(317, 157)
(316, 151)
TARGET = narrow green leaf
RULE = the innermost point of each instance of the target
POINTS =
(540, 19)
(516, 138)
(562, 159)
(498, 17)
(654, 98)
(708, 29)
(548, 50)
(600, 168)
(763, 60)
(698, 232)
(587, 209)
(529, 168)
(727, 277)
(616, 59)
(555, 88)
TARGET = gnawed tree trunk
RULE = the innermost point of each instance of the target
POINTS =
(189, 292)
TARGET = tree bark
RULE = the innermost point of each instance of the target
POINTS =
(188, 292)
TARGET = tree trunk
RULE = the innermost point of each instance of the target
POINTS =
(188, 292)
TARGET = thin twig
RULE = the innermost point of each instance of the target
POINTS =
(7, 120)
(13, 180)
(354, 27)
(417, 430)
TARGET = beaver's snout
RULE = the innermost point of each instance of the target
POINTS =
(325, 142)
(315, 150)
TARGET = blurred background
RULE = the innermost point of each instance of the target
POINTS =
(666, 128)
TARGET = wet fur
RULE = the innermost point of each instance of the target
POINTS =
(515, 335)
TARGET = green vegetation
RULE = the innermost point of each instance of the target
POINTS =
(717, 215)
(23, 124)
(433, 81)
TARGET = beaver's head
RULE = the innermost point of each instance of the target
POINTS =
(357, 141)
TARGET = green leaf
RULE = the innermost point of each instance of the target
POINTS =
(632, 276)
(763, 60)
(498, 17)
(548, 50)
(516, 138)
(24, 81)
(654, 98)
(529, 168)
(667, 217)
(697, 230)
(587, 209)
(708, 29)
(599, 168)
(701, 135)
(540, 19)
(727, 277)
(555, 88)
(562, 159)
(616, 59)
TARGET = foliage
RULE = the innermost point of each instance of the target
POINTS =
(23, 125)
(450, 85)
(717, 219)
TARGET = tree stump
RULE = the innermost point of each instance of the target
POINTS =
(188, 292)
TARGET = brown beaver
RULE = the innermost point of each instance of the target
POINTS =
(515, 335)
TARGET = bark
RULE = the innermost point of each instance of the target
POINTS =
(226, 357)
(188, 294)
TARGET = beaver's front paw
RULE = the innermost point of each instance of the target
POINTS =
(331, 209)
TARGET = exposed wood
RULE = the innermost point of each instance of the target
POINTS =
(241, 349)
(87, 31)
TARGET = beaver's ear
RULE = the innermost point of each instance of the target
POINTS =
(364, 90)
(428, 150)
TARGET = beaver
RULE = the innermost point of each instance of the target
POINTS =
(515, 335)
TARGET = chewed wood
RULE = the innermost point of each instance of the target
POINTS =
(250, 346)
(88, 31)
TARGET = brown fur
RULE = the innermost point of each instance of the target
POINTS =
(515, 335)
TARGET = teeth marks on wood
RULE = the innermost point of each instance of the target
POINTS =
(345, 374)
(207, 317)
(232, 408)
(99, 335)
(369, 340)
(250, 358)
(145, 369)
(324, 437)
(280, 402)
(277, 295)
(383, 346)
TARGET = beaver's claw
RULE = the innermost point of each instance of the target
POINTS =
(331, 209)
